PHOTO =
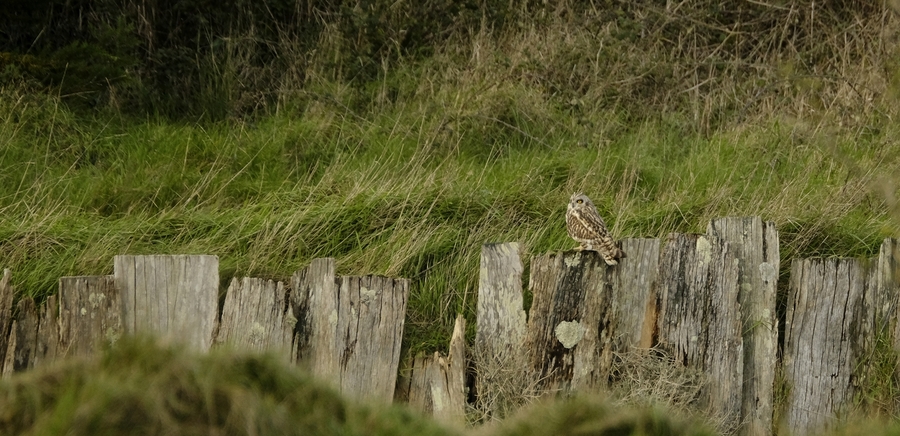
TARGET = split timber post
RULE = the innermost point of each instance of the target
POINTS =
(634, 285)
(256, 317)
(838, 309)
(699, 320)
(717, 314)
(584, 311)
(6, 304)
(90, 314)
(22, 344)
(756, 247)
(435, 385)
(568, 341)
(497, 355)
(501, 316)
(175, 297)
(350, 329)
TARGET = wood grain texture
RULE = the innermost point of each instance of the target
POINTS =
(500, 315)
(256, 317)
(634, 284)
(568, 337)
(47, 350)
(6, 305)
(756, 247)
(90, 314)
(887, 292)
(825, 315)
(22, 344)
(315, 305)
(353, 328)
(174, 297)
(435, 385)
(699, 320)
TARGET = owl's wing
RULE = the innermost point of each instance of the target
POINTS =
(591, 221)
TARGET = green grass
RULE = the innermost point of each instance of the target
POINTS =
(411, 188)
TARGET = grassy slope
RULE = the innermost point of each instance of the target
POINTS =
(412, 187)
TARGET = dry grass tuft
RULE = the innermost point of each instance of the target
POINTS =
(504, 384)
(643, 377)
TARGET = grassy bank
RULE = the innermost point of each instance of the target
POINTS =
(413, 188)
(401, 155)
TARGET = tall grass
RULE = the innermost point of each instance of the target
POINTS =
(410, 188)
(403, 159)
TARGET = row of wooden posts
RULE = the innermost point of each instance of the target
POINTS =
(707, 301)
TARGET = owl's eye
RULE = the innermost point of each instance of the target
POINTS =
(579, 201)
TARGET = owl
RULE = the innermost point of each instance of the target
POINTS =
(587, 228)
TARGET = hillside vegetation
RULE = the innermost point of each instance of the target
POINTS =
(398, 138)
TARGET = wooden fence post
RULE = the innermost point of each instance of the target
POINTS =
(6, 302)
(819, 351)
(315, 287)
(584, 311)
(256, 317)
(500, 329)
(634, 292)
(497, 354)
(755, 245)
(90, 314)
(568, 338)
(436, 384)
(699, 319)
(887, 292)
(351, 329)
(47, 347)
(173, 296)
(23, 338)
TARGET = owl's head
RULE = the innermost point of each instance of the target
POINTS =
(580, 201)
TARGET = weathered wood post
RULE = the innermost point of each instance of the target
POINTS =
(886, 299)
(47, 349)
(501, 315)
(634, 285)
(838, 309)
(33, 337)
(90, 314)
(436, 384)
(22, 343)
(256, 317)
(172, 296)
(6, 303)
(584, 311)
(498, 356)
(756, 248)
(699, 320)
(350, 329)
(568, 337)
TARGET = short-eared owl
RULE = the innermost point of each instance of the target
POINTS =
(587, 228)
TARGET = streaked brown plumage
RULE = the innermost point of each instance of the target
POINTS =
(587, 228)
